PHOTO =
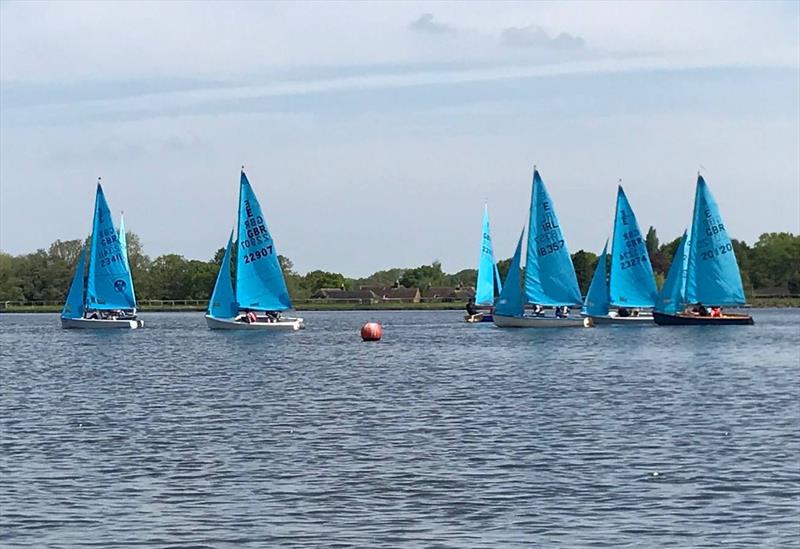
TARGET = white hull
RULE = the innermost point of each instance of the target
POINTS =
(540, 322)
(287, 323)
(613, 318)
(101, 323)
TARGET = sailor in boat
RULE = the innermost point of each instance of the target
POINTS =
(623, 312)
(562, 312)
(538, 310)
(471, 309)
(272, 316)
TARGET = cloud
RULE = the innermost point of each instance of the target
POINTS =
(534, 36)
(426, 25)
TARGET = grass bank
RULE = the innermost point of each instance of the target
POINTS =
(299, 307)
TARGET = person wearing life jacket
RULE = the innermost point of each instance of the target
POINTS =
(251, 317)
(716, 312)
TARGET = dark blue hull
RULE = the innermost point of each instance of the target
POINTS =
(696, 320)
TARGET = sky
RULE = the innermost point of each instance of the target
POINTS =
(373, 133)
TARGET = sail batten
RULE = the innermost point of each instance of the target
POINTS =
(510, 301)
(109, 284)
(260, 285)
(631, 281)
(488, 276)
(550, 277)
(597, 298)
(713, 276)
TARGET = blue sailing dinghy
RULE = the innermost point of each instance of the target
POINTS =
(704, 275)
(631, 285)
(105, 298)
(550, 279)
(260, 294)
(488, 284)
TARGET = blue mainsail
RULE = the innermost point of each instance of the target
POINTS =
(549, 274)
(73, 307)
(713, 276)
(631, 283)
(223, 303)
(259, 280)
(672, 298)
(597, 299)
(110, 285)
(509, 302)
(487, 269)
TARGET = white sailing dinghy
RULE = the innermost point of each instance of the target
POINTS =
(487, 284)
(550, 279)
(105, 298)
(260, 295)
(630, 286)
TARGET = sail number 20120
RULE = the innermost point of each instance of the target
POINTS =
(716, 251)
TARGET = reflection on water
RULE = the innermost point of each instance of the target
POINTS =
(441, 434)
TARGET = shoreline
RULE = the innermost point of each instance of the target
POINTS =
(765, 303)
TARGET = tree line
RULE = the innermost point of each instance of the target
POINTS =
(45, 275)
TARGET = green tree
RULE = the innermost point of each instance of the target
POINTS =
(424, 276)
(315, 280)
(585, 263)
(502, 267)
(651, 241)
(10, 285)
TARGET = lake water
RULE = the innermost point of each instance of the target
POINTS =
(442, 435)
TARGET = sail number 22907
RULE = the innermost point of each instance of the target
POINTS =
(258, 254)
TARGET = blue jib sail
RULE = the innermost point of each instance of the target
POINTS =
(259, 280)
(596, 303)
(631, 283)
(484, 287)
(73, 306)
(672, 298)
(110, 285)
(222, 303)
(549, 274)
(509, 302)
(713, 274)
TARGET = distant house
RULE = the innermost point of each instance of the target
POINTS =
(396, 293)
(449, 293)
(403, 295)
(338, 295)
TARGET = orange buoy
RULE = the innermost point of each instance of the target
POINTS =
(371, 331)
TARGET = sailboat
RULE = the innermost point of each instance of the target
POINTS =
(488, 282)
(631, 285)
(260, 285)
(704, 272)
(105, 298)
(550, 279)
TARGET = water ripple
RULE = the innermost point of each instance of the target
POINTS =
(441, 435)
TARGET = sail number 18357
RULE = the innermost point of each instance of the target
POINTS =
(550, 248)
